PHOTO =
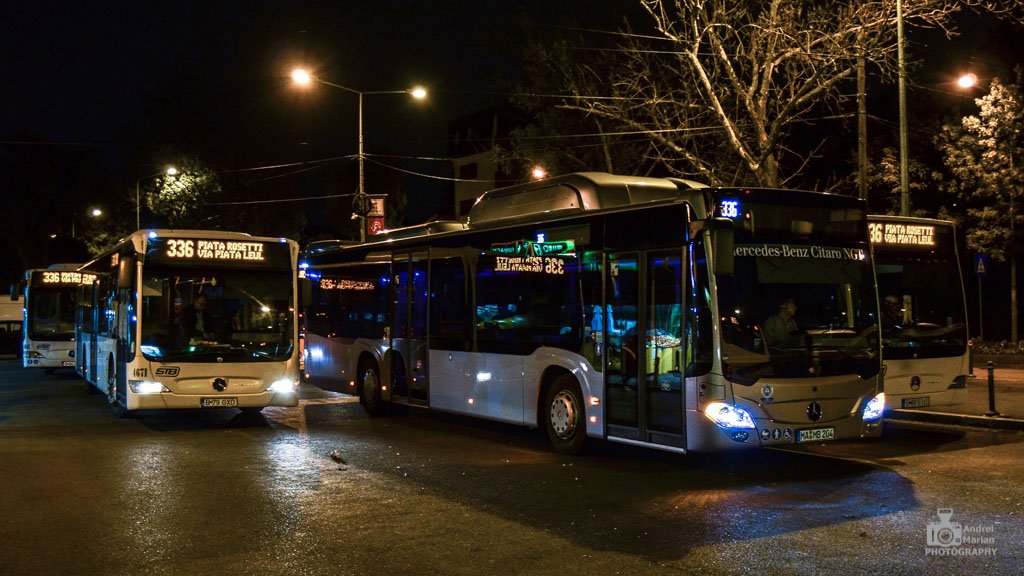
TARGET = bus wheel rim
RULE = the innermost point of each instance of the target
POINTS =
(564, 414)
(370, 384)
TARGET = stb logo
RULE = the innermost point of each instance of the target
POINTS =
(945, 532)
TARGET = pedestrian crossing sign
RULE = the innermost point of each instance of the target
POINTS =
(980, 265)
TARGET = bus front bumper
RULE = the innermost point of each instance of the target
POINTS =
(172, 401)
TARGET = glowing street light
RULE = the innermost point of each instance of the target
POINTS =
(538, 173)
(170, 171)
(967, 81)
(94, 212)
(304, 78)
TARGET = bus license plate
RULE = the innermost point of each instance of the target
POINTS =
(815, 434)
(917, 402)
(218, 402)
(67, 363)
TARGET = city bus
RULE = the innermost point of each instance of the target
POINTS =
(924, 311)
(191, 319)
(614, 307)
(12, 321)
(48, 334)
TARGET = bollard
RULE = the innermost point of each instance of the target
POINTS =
(991, 390)
(970, 358)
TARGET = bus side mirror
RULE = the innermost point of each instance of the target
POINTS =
(125, 272)
(305, 292)
(14, 292)
(723, 246)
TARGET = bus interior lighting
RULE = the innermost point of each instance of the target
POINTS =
(729, 416)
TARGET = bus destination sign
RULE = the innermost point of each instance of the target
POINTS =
(214, 250)
(217, 252)
(898, 234)
(526, 256)
(67, 278)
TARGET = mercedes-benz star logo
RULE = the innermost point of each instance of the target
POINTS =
(220, 385)
(814, 411)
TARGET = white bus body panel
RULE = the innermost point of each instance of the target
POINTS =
(52, 354)
(328, 359)
(480, 384)
(936, 374)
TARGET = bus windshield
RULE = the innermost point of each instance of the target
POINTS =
(216, 315)
(798, 311)
(922, 307)
(51, 313)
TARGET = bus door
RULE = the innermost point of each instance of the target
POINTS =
(644, 376)
(409, 328)
(92, 293)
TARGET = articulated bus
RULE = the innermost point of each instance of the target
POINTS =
(48, 334)
(191, 319)
(615, 307)
(924, 312)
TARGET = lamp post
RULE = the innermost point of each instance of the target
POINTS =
(170, 171)
(904, 170)
(304, 78)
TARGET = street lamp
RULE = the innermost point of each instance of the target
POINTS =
(170, 171)
(94, 212)
(967, 81)
(303, 78)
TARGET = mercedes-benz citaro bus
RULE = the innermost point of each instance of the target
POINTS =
(923, 313)
(191, 319)
(626, 308)
(48, 334)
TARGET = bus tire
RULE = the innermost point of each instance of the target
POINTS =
(116, 408)
(251, 409)
(564, 419)
(369, 390)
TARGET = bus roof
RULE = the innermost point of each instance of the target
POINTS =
(571, 193)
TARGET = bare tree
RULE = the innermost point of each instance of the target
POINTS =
(717, 87)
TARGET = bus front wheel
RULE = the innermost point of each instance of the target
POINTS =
(116, 408)
(564, 417)
(369, 391)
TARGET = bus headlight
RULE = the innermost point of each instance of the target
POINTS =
(875, 407)
(34, 354)
(284, 385)
(146, 387)
(728, 416)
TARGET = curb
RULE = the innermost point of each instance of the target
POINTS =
(993, 422)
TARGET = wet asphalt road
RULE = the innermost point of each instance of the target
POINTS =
(216, 492)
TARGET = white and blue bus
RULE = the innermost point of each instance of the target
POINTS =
(624, 308)
(48, 334)
(191, 319)
(924, 311)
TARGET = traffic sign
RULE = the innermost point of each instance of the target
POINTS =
(980, 265)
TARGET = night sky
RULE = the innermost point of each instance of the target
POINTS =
(108, 83)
